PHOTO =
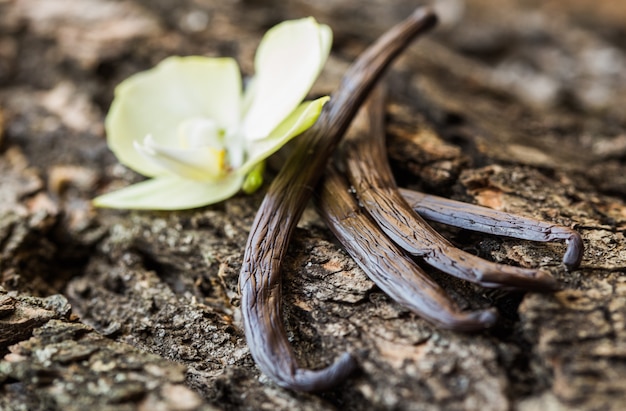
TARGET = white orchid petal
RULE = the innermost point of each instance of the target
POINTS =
(199, 163)
(287, 63)
(248, 96)
(157, 101)
(301, 119)
(170, 193)
(326, 40)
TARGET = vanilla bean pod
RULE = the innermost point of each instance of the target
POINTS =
(384, 262)
(394, 273)
(490, 221)
(370, 174)
(259, 280)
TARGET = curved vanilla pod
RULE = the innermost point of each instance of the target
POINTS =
(370, 174)
(486, 220)
(259, 280)
(394, 273)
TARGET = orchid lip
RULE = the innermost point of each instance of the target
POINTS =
(200, 163)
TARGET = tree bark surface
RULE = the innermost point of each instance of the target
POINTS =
(516, 105)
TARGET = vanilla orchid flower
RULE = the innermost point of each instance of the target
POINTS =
(188, 125)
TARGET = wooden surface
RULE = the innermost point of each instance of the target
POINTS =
(517, 105)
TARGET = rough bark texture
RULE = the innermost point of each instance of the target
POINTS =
(516, 104)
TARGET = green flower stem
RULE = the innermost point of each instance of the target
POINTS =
(259, 280)
(254, 179)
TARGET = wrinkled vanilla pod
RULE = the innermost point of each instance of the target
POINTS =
(369, 172)
(490, 221)
(384, 262)
(259, 280)
(394, 273)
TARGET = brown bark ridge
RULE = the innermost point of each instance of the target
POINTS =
(516, 105)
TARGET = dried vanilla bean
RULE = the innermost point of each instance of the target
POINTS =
(370, 175)
(382, 260)
(259, 280)
(394, 273)
(490, 221)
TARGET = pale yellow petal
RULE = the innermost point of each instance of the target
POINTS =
(303, 117)
(287, 63)
(170, 193)
(157, 101)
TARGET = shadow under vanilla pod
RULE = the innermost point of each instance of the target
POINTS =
(379, 235)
